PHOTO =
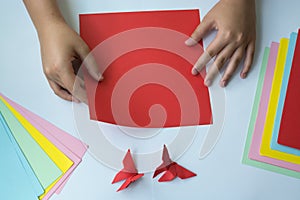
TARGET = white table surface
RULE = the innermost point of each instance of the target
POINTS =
(220, 175)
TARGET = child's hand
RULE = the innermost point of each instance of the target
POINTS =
(60, 45)
(235, 22)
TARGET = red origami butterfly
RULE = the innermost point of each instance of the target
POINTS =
(129, 172)
(171, 168)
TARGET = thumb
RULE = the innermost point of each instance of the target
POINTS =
(202, 29)
(89, 62)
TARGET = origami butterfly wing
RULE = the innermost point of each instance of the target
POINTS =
(183, 173)
(172, 169)
(128, 163)
(165, 164)
(129, 172)
(129, 181)
(122, 176)
(169, 175)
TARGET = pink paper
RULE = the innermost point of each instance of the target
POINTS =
(69, 145)
(260, 121)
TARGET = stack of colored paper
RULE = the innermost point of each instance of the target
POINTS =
(37, 157)
(273, 140)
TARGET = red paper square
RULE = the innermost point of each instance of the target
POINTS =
(122, 108)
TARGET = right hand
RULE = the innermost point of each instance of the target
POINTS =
(60, 46)
(235, 21)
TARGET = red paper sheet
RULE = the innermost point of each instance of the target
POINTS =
(116, 103)
(289, 132)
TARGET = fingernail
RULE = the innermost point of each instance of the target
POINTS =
(207, 83)
(97, 76)
(75, 100)
(223, 83)
(244, 75)
(101, 77)
(195, 71)
(190, 42)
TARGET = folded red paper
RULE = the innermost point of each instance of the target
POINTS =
(171, 169)
(129, 173)
(289, 132)
(146, 66)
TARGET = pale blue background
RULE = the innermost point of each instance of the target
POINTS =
(221, 176)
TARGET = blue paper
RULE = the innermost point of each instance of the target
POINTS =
(287, 71)
(37, 187)
(14, 182)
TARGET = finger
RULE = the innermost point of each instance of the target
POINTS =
(79, 90)
(67, 76)
(59, 91)
(234, 62)
(212, 50)
(201, 30)
(72, 83)
(212, 72)
(224, 55)
(89, 61)
(248, 59)
(219, 62)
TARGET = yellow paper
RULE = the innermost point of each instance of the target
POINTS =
(265, 148)
(60, 159)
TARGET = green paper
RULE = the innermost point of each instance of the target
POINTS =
(44, 168)
(254, 113)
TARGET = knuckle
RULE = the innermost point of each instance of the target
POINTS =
(56, 68)
(52, 71)
(220, 61)
(237, 38)
(236, 62)
(84, 48)
(227, 36)
(240, 38)
(211, 52)
(48, 71)
(239, 58)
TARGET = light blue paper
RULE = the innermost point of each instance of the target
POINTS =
(287, 71)
(14, 182)
(37, 187)
(44, 168)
